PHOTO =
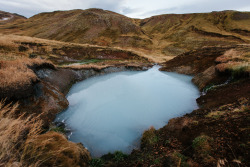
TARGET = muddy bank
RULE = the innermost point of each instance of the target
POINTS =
(63, 78)
(48, 94)
(212, 65)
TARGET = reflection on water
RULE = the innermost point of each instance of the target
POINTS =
(110, 112)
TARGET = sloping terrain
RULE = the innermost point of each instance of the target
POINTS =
(94, 26)
(160, 37)
(177, 33)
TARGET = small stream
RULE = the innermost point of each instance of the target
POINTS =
(110, 112)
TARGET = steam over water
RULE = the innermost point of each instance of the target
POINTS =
(110, 112)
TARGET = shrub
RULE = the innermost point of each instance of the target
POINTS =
(58, 129)
(239, 72)
(119, 156)
(96, 162)
(149, 138)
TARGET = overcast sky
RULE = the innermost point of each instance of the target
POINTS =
(130, 8)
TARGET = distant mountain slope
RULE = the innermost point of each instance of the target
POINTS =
(95, 26)
(159, 36)
(6, 17)
(177, 33)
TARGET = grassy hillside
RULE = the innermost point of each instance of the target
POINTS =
(174, 34)
(94, 26)
(14, 47)
(160, 37)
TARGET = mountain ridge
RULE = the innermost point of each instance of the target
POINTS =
(163, 36)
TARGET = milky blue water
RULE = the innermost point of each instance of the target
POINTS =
(110, 112)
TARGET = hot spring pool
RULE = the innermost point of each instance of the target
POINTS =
(110, 112)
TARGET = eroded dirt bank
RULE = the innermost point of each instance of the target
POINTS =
(48, 92)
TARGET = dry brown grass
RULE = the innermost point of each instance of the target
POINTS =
(14, 74)
(14, 132)
(87, 66)
(53, 149)
(9, 46)
(22, 144)
(17, 73)
(9, 49)
(232, 66)
(152, 55)
(234, 60)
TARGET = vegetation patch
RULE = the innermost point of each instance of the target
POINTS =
(240, 72)
(58, 129)
(149, 138)
(179, 159)
(119, 156)
(96, 162)
(202, 146)
(215, 114)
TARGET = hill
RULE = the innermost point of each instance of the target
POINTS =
(159, 36)
(174, 34)
(93, 26)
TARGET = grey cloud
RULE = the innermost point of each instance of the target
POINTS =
(127, 10)
(159, 11)
(112, 5)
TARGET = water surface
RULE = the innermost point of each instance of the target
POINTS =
(110, 112)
